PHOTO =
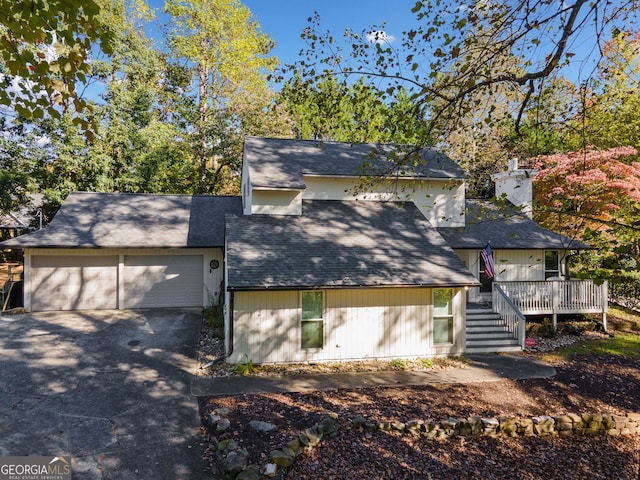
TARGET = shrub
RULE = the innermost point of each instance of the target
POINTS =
(246, 368)
(399, 363)
(425, 363)
(543, 330)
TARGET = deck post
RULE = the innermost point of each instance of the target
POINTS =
(604, 292)
(555, 302)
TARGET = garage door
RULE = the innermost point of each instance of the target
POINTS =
(74, 282)
(156, 281)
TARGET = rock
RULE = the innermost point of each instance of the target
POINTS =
(262, 426)
(249, 473)
(270, 470)
(226, 446)
(328, 426)
(384, 426)
(213, 419)
(509, 427)
(296, 447)
(370, 426)
(399, 426)
(358, 421)
(310, 437)
(234, 462)
(222, 411)
(223, 425)
(281, 459)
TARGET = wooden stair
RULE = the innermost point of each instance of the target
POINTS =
(486, 333)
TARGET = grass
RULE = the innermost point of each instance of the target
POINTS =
(624, 324)
(622, 344)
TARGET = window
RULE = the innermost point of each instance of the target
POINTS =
(551, 264)
(312, 324)
(443, 315)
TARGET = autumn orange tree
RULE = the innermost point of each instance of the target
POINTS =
(594, 195)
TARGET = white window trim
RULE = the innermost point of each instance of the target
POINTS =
(450, 316)
(316, 320)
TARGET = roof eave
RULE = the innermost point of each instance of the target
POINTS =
(255, 288)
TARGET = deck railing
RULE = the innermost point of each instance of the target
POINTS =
(555, 297)
(514, 319)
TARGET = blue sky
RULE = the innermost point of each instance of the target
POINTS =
(284, 20)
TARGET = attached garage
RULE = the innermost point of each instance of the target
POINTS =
(93, 279)
(116, 251)
(74, 282)
(152, 281)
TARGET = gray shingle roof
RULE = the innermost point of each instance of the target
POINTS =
(340, 244)
(123, 220)
(281, 163)
(506, 228)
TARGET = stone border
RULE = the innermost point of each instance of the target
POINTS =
(232, 463)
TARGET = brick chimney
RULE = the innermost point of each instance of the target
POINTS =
(517, 185)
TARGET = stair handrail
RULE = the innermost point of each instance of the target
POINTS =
(510, 313)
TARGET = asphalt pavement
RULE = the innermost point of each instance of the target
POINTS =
(111, 389)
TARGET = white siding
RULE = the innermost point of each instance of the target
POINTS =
(276, 202)
(519, 265)
(40, 280)
(358, 324)
(440, 201)
(511, 265)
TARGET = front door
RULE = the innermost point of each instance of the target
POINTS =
(487, 282)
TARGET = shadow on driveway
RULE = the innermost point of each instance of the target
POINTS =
(108, 388)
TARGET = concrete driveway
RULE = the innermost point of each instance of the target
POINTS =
(108, 388)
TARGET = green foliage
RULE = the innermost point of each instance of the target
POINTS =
(333, 109)
(214, 316)
(44, 47)
(399, 364)
(222, 94)
(572, 328)
(425, 363)
(542, 329)
(246, 367)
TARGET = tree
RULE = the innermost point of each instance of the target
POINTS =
(612, 101)
(221, 46)
(45, 47)
(457, 55)
(594, 195)
(333, 109)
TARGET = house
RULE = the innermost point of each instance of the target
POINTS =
(14, 223)
(332, 253)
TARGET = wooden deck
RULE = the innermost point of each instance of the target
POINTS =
(514, 300)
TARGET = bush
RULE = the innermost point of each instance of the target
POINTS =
(399, 364)
(573, 328)
(246, 368)
(624, 290)
(542, 329)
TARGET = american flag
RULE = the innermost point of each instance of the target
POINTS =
(489, 266)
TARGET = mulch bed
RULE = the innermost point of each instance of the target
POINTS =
(583, 384)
